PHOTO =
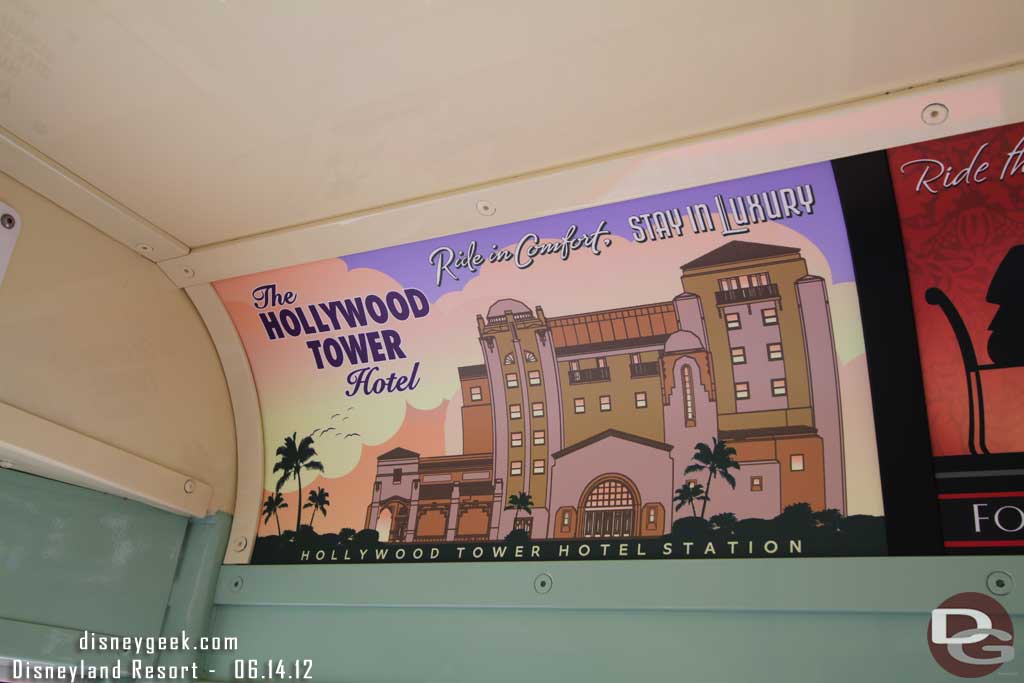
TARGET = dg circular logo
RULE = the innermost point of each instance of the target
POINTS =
(970, 635)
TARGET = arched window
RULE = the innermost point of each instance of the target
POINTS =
(609, 510)
(510, 359)
(384, 520)
(688, 393)
(392, 521)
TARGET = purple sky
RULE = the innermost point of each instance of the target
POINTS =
(408, 263)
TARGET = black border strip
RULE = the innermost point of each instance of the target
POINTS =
(913, 521)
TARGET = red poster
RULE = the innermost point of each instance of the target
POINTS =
(961, 205)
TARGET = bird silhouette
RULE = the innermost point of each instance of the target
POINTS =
(352, 434)
(349, 410)
(329, 429)
(335, 415)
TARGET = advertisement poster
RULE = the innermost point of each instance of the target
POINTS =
(680, 376)
(961, 209)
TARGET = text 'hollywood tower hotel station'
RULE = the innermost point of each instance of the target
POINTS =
(596, 415)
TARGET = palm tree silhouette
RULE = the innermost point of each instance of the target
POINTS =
(271, 505)
(293, 459)
(717, 460)
(519, 501)
(687, 494)
(318, 500)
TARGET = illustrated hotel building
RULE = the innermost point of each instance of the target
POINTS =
(596, 415)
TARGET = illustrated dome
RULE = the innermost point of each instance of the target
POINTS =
(683, 341)
(499, 307)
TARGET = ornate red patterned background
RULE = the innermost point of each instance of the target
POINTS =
(955, 240)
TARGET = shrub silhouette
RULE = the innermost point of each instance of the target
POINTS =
(687, 528)
(724, 522)
(517, 536)
(796, 518)
(829, 518)
(820, 533)
(307, 534)
(366, 537)
(756, 529)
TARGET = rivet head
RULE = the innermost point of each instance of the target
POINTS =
(485, 208)
(935, 113)
(144, 248)
(188, 272)
(240, 543)
(7, 221)
(237, 583)
(542, 584)
(999, 583)
(190, 486)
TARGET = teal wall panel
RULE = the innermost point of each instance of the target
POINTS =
(861, 584)
(71, 558)
(861, 619)
(38, 643)
(517, 645)
(191, 599)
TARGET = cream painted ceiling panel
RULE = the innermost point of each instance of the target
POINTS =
(217, 119)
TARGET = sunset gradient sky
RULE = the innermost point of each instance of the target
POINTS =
(297, 397)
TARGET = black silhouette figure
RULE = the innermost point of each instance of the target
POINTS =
(1006, 345)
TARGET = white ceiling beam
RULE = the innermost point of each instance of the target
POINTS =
(975, 102)
(33, 169)
(31, 444)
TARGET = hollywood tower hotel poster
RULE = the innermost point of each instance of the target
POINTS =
(680, 376)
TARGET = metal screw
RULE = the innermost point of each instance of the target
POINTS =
(144, 248)
(935, 113)
(237, 584)
(542, 584)
(190, 486)
(7, 221)
(999, 583)
(240, 543)
(485, 208)
(188, 272)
